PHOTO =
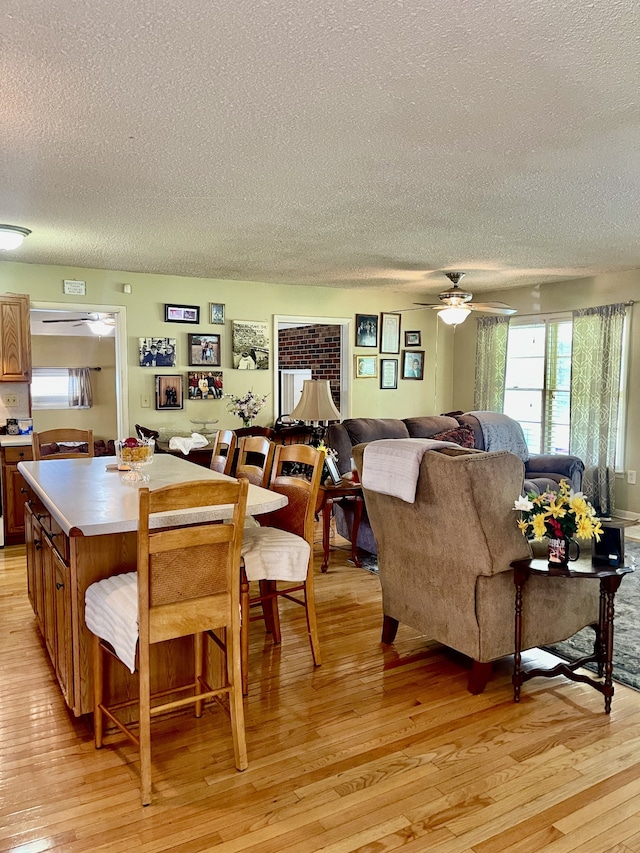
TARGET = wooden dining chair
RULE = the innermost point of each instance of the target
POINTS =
(222, 457)
(280, 551)
(255, 457)
(187, 583)
(45, 444)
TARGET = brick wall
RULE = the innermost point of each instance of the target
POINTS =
(315, 347)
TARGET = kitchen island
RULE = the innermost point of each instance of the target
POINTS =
(80, 526)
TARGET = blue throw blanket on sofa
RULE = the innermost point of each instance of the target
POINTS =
(501, 432)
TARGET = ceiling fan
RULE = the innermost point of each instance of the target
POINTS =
(101, 324)
(456, 303)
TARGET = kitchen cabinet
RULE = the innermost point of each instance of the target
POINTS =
(13, 486)
(15, 338)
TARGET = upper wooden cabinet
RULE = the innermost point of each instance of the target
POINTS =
(15, 338)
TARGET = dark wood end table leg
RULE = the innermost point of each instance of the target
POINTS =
(326, 529)
(519, 578)
(357, 516)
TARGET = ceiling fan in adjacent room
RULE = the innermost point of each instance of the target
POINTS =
(100, 324)
(456, 303)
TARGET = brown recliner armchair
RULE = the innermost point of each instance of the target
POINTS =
(444, 561)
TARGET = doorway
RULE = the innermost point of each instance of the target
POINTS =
(343, 327)
(67, 311)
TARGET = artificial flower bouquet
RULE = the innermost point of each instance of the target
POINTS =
(564, 514)
(247, 406)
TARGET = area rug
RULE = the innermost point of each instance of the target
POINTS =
(626, 647)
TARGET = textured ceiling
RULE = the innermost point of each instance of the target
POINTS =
(359, 144)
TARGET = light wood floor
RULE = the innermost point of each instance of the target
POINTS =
(377, 750)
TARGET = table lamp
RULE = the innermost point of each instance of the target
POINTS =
(315, 405)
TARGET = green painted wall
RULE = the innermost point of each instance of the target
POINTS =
(244, 301)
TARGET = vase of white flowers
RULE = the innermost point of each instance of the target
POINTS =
(247, 406)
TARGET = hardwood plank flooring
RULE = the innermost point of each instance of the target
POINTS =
(379, 749)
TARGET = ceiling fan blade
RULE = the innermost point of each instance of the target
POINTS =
(73, 320)
(491, 307)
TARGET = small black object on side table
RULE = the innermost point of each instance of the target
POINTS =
(610, 579)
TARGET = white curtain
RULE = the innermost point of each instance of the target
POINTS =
(491, 363)
(595, 393)
(80, 396)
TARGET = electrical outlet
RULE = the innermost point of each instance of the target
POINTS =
(10, 400)
(144, 401)
(631, 478)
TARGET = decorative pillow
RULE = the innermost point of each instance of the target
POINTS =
(463, 436)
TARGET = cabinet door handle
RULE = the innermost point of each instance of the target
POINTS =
(59, 585)
(23, 491)
(37, 544)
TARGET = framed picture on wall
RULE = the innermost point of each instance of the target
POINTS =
(217, 313)
(182, 313)
(390, 333)
(413, 364)
(169, 392)
(366, 366)
(204, 349)
(366, 330)
(412, 339)
(388, 373)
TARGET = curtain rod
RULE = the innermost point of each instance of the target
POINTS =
(94, 368)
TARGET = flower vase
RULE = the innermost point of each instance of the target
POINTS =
(560, 551)
(247, 422)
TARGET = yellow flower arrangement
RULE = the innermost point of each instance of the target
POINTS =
(558, 515)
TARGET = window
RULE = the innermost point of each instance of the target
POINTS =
(538, 382)
(50, 388)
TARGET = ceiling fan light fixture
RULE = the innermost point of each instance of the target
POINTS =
(11, 236)
(454, 316)
(100, 327)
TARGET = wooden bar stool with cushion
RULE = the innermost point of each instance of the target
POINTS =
(255, 456)
(223, 451)
(187, 583)
(281, 549)
(45, 444)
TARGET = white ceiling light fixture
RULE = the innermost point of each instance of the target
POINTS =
(11, 236)
(454, 316)
(101, 327)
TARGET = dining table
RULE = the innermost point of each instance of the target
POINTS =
(81, 518)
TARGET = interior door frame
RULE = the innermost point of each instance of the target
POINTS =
(120, 345)
(345, 325)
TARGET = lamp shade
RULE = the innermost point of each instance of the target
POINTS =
(454, 316)
(11, 236)
(316, 403)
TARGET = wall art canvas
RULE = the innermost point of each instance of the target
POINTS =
(250, 345)
(157, 352)
(205, 385)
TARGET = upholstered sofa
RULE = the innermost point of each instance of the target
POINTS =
(444, 560)
(479, 430)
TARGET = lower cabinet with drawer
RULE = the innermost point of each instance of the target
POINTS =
(49, 589)
(13, 487)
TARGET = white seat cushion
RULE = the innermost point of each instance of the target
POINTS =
(111, 613)
(272, 554)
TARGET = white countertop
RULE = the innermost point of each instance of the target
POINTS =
(15, 440)
(84, 497)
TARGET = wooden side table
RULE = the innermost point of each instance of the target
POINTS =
(610, 579)
(327, 496)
